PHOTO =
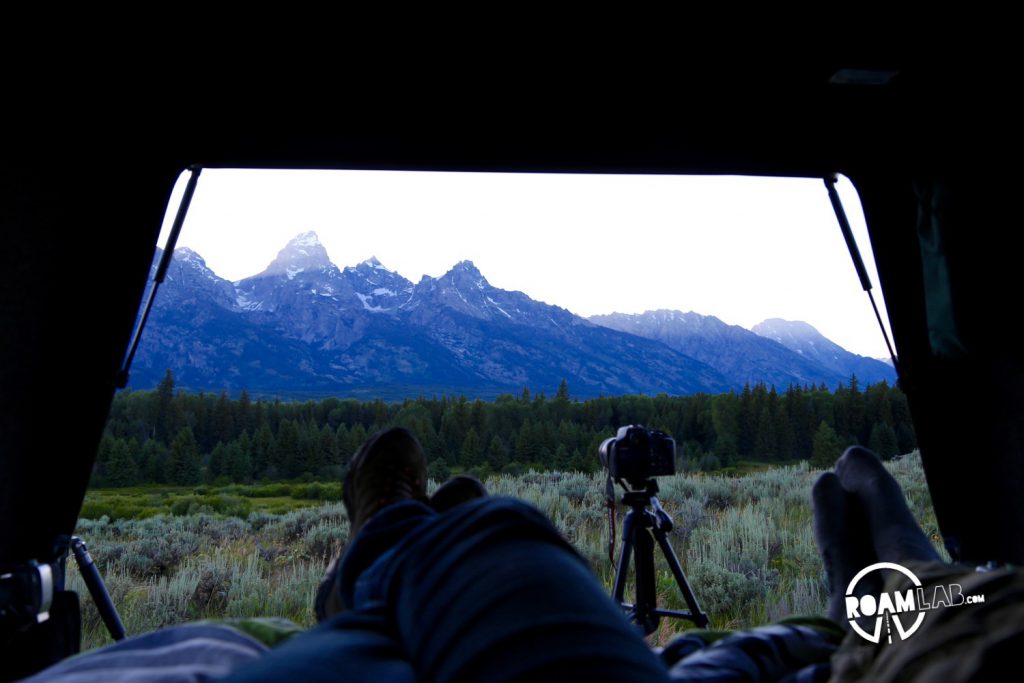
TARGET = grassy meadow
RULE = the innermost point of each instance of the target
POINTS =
(170, 555)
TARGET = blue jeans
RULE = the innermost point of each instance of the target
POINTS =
(488, 591)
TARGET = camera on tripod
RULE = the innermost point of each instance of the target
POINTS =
(636, 454)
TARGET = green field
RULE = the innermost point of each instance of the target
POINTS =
(234, 500)
(171, 555)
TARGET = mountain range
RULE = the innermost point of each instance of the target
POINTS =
(304, 327)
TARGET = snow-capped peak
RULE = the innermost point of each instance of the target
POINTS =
(467, 275)
(466, 266)
(777, 329)
(374, 263)
(304, 253)
(373, 270)
(306, 239)
(186, 254)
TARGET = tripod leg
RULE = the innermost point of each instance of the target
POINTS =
(699, 617)
(622, 570)
(646, 594)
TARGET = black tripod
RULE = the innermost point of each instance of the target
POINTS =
(637, 529)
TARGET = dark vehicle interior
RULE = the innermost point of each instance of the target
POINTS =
(87, 172)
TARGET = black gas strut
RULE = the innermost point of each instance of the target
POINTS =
(121, 381)
(858, 262)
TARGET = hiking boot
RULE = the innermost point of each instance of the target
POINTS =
(455, 491)
(388, 468)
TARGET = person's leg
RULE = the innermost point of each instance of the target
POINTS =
(486, 591)
(844, 540)
(396, 521)
(354, 643)
(860, 518)
(491, 591)
(895, 535)
(351, 647)
(977, 640)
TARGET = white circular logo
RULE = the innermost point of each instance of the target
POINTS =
(887, 607)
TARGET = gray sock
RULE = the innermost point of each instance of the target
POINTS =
(894, 532)
(841, 531)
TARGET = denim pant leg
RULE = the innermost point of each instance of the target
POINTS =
(359, 644)
(491, 591)
(487, 591)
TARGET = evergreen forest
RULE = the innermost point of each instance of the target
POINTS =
(174, 437)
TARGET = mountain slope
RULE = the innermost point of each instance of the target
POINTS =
(303, 325)
(809, 343)
(739, 354)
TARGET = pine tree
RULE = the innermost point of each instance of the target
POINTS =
(725, 419)
(877, 405)
(827, 447)
(218, 462)
(478, 413)
(380, 413)
(767, 441)
(287, 450)
(497, 454)
(568, 435)
(310, 460)
(241, 467)
(99, 471)
(798, 411)
(906, 439)
(183, 468)
(165, 396)
(357, 435)
(471, 451)
(263, 449)
(563, 391)
(581, 463)
(238, 467)
(202, 424)
(857, 423)
(438, 470)
(528, 443)
(841, 411)
(154, 463)
(454, 422)
(562, 458)
(121, 468)
(900, 407)
(747, 423)
(246, 413)
(328, 448)
(224, 428)
(883, 441)
(341, 443)
(784, 433)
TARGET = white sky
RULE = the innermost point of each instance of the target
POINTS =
(740, 248)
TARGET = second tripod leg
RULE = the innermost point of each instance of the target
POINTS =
(698, 616)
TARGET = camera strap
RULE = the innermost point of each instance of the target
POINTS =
(610, 503)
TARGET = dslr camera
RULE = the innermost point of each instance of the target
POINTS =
(636, 454)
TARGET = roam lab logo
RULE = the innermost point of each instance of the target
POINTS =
(898, 608)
